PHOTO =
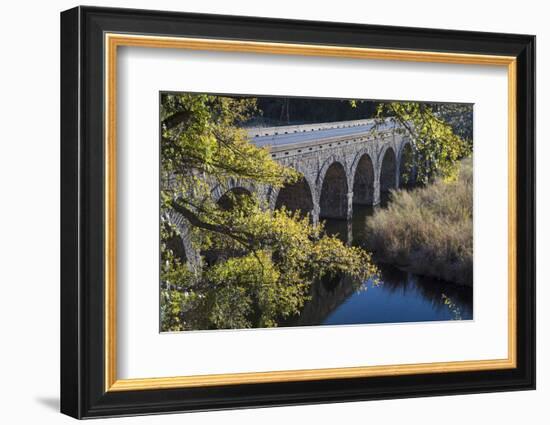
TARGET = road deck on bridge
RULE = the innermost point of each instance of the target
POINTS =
(298, 136)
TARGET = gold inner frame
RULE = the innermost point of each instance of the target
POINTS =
(113, 41)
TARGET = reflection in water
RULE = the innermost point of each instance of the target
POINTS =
(400, 296)
(403, 297)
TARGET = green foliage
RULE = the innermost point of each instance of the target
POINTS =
(435, 144)
(256, 265)
(200, 135)
(459, 116)
(428, 230)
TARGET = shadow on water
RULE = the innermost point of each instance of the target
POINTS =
(399, 297)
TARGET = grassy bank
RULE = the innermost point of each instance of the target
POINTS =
(428, 230)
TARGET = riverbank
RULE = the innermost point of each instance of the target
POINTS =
(428, 230)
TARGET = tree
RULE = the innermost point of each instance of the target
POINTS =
(460, 116)
(257, 265)
(440, 136)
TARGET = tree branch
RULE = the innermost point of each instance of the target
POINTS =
(404, 123)
(217, 228)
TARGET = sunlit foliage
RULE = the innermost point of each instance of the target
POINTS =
(440, 136)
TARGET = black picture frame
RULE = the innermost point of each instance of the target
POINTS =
(83, 392)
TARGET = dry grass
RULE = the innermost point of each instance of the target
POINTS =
(428, 230)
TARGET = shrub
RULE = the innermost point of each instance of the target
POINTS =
(428, 230)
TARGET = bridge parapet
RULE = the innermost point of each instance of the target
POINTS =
(255, 132)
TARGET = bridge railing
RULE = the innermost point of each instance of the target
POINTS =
(255, 132)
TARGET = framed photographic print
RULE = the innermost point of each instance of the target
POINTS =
(261, 212)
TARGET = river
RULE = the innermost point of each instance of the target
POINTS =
(398, 297)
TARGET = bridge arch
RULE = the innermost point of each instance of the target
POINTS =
(388, 170)
(184, 248)
(363, 181)
(297, 196)
(334, 201)
(262, 192)
(327, 162)
(176, 244)
(233, 196)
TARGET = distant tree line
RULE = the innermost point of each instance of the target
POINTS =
(295, 110)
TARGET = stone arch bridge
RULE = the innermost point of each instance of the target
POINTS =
(341, 164)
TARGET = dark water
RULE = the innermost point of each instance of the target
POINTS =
(399, 297)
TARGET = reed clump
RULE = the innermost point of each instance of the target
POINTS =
(428, 230)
